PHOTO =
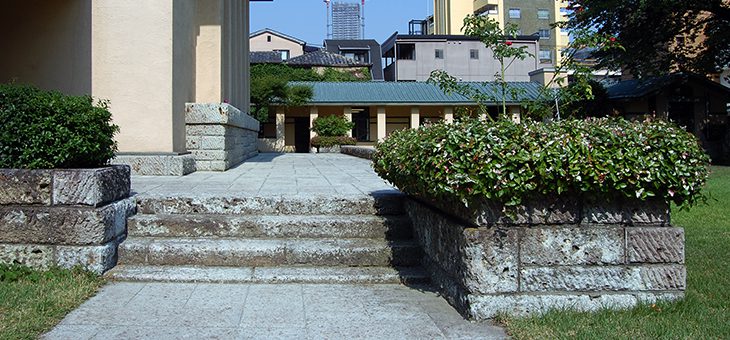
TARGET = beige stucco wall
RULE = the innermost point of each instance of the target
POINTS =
(148, 57)
(47, 43)
(261, 43)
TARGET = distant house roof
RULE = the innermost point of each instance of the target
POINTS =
(404, 93)
(370, 45)
(277, 33)
(265, 57)
(390, 42)
(637, 88)
(324, 58)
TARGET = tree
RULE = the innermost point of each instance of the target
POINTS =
(659, 36)
(497, 40)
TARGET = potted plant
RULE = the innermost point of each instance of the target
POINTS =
(331, 133)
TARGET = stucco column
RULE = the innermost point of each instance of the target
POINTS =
(347, 112)
(313, 114)
(415, 117)
(381, 123)
(280, 128)
(449, 115)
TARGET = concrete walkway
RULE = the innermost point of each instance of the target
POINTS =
(270, 311)
(282, 311)
(274, 174)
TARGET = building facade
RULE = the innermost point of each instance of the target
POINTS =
(531, 17)
(363, 51)
(414, 57)
(346, 21)
(148, 58)
(268, 40)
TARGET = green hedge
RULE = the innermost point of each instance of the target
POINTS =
(327, 141)
(510, 162)
(46, 129)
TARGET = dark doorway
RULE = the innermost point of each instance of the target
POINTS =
(361, 131)
(301, 134)
(683, 113)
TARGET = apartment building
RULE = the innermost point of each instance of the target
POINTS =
(414, 57)
(531, 16)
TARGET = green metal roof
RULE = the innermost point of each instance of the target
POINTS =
(404, 93)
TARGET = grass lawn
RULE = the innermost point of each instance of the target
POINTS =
(703, 314)
(32, 302)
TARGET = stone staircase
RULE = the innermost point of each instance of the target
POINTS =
(270, 240)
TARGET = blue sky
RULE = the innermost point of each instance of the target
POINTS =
(306, 19)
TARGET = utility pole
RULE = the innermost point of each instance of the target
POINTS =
(362, 17)
(329, 24)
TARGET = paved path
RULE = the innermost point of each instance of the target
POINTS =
(274, 174)
(281, 311)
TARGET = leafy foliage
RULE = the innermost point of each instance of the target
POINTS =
(47, 129)
(327, 141)
(509, 162)
(333, 125)
(659, 35)
(269, 85)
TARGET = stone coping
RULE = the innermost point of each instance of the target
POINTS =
(219, 113)
(58, 187)
(358, 151)
(561, 210)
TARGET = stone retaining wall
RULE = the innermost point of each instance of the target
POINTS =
(541, 256)
(220, 136)
(64, 217)
(358, 151)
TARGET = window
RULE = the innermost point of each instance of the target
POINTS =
(473, 54)
(487, 10)
(284, 54)
(563, 31)
(543, 14)
(564, 11)
(546, 56)
(439, 53)
(268, 38)
(544, 33)
(514, 13)
(406, 51)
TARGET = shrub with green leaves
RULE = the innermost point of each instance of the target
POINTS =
(46, 129)
(332, 126)
(328, 141)
(506, 162)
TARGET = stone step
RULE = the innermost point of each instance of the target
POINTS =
(268, 252)
(387, 203)
(326, 275)
(393, 227)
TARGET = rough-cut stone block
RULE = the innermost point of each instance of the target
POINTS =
(158, 165)
(538, 212)
(224, 114)
(572, 246)
(92, 187)
(614, 278)
(483, 307)
(19, 186)
(97, 259)
(655, 245)
(211, 155)
(205, 130)
(631, 212)
(358, 151)
(32, 255)
(64, 224)
(478, 259)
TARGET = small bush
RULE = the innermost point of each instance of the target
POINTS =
(508, 162)
(327, 141)
(46, 129)
(330, 126)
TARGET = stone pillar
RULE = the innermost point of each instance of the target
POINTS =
(280, 128)
(313, 114)
(449, 115)
(347, 112)
(415, 117)
(381, 123)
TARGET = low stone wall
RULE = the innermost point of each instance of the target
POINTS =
(557, 255)
(64, 217)
(358, 151)
(220, 136)
(172, 164)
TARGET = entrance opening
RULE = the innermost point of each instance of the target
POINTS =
(301, 134)
(361, 118)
